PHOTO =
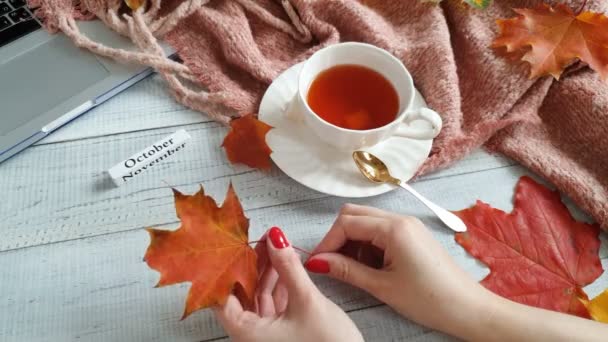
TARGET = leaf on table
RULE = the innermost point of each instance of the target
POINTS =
(364, 252)
(554, 37)
(134, 4)
(246, 142)
(210, 249)
(598, 307)
(538, 254)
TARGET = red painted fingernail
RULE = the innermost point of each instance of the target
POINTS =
(317, 266)
(278, 238)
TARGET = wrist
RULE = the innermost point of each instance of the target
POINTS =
(477, 316)
(485, 317)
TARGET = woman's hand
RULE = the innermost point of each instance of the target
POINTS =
(421, 281)
(418, 277)
(289, 307)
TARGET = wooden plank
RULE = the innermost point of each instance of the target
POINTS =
(59, 191)
(145, 105)
(380, 323)
(383, 324)
(99, 289)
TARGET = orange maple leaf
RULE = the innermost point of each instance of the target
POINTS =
(555, 37)
(246, 142)
(210, 249)
(134, 4)
(598, 307)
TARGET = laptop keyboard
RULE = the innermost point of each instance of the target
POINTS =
(16, 21)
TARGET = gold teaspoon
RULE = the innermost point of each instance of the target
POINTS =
(375, 170)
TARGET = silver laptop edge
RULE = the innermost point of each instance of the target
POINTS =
(93, 79)
(71, 115)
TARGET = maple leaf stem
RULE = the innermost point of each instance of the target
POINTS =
(301, 250)
(580, 10)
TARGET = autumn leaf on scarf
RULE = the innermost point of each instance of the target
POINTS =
(538, 254)
(210, 250)
(598, 307)
(246, 142)
(134, 4)
(554, 37)
(480, 4)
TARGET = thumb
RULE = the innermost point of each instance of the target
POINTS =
(287, 263)
(347, 270)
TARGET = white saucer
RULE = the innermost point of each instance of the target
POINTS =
(302, 156)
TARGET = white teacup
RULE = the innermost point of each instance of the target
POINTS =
(388, 66)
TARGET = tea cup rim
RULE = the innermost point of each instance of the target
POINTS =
(399, 118)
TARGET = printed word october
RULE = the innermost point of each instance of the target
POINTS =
(129, 163)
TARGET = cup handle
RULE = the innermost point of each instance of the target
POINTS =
(426, 114)
(293, 109)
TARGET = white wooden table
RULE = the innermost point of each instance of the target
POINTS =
(71, 244)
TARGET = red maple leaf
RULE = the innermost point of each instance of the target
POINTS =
(246, 142)
(538, 254)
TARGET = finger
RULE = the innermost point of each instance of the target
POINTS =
(280, 297)
(347, 270)
(264, 297)
(262, 252)
(289, 267)
(359, 228)
(229, 315)
(363, 210)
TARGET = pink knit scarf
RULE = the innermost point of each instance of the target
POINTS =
(235, 48)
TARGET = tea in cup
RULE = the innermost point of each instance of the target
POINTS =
(355, 95)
